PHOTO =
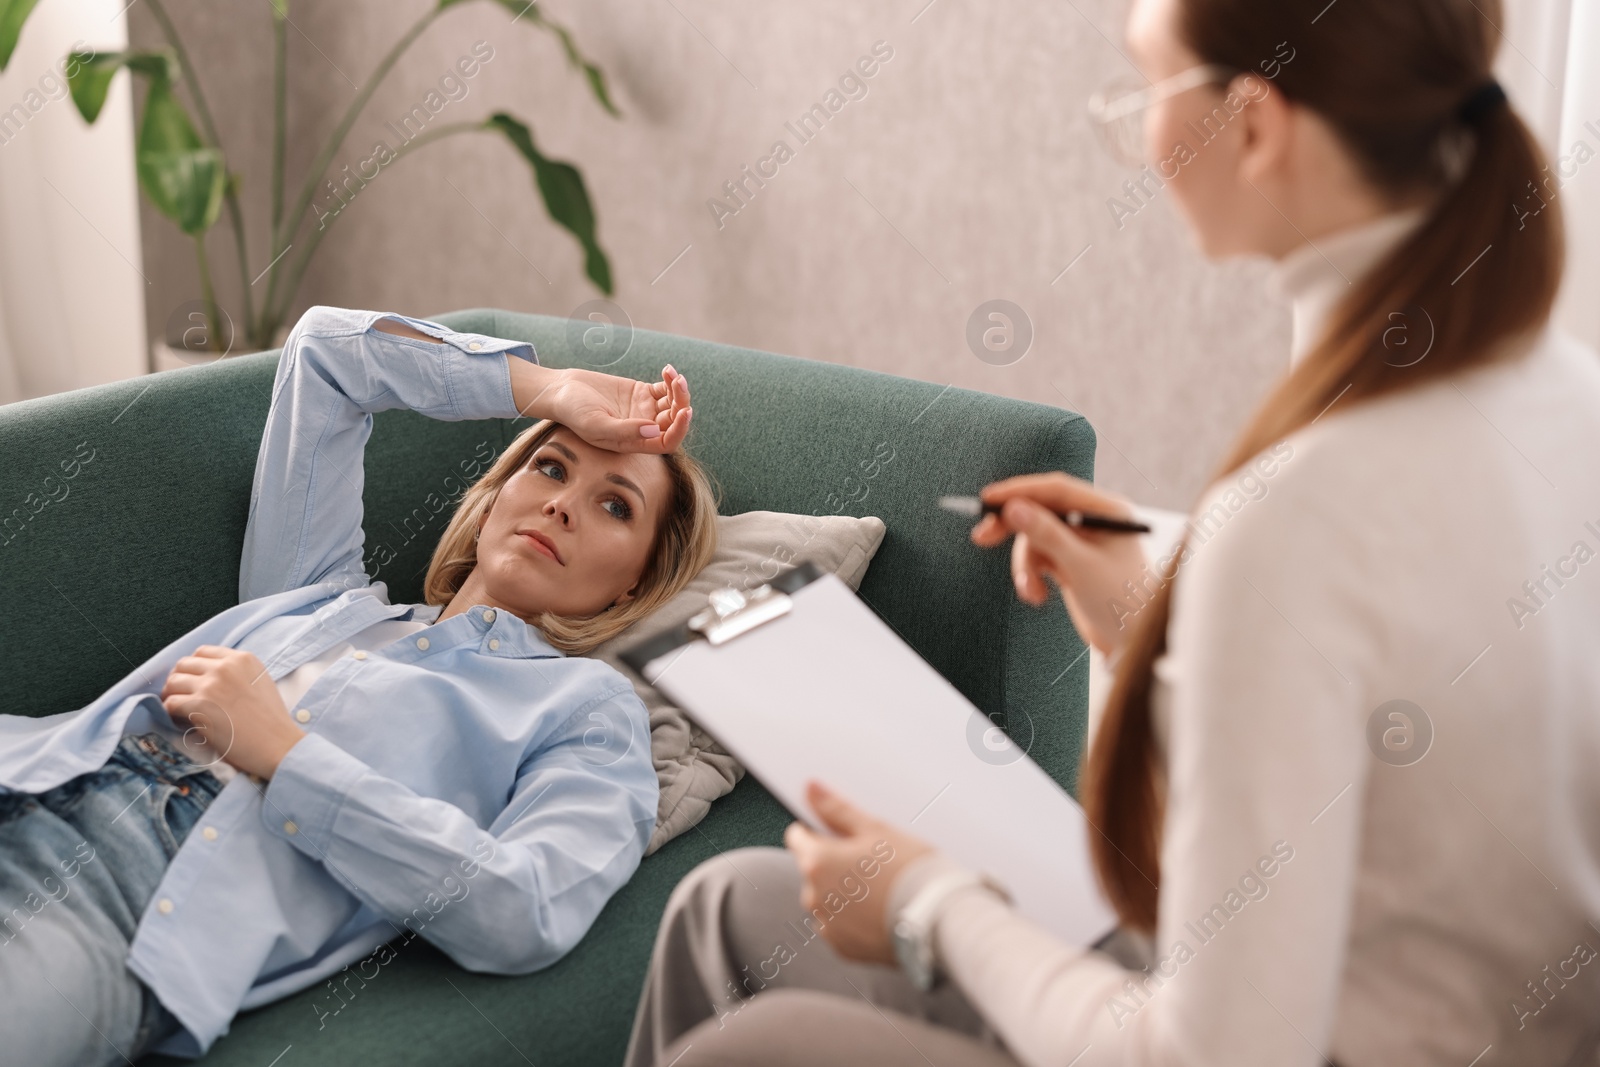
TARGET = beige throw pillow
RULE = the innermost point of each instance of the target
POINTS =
(751, 548)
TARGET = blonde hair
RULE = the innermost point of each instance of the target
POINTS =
(686, 540)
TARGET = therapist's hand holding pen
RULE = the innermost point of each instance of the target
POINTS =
(1089, 566)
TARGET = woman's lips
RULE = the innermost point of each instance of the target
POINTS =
(541, 545)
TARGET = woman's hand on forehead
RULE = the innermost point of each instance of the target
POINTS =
(606, 410)
(622, 414)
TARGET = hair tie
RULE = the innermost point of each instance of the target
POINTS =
(1482, 100)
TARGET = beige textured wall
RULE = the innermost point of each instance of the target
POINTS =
(966, 173)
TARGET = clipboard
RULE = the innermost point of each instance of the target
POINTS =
(800, 679)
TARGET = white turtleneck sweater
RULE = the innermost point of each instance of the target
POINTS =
(1440, 546)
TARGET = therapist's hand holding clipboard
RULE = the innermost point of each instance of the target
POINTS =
(1090, 567)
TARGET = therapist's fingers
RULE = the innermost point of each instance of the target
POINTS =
(1058, 490)
(806, 847)
(1093, 568)
(990, 531)
(799, 839)
(1064, 549)
(1053, 490)
(837, 813)
(1028, 569)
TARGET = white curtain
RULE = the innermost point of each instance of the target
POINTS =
(1550, 64)
(71, 281)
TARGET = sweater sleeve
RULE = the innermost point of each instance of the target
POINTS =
(1273, 624)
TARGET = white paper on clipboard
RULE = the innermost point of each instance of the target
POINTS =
(829, 691)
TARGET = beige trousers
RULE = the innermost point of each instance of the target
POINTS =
(737, 978)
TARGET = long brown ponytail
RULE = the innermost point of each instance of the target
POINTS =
(1391, 77)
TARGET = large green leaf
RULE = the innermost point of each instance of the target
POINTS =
(597, 78)
(89, 74)
(564, 195)
(13, 13)
(593, 74)
(183, 178)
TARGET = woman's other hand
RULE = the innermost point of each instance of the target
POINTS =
(228, 697)
(847, 878)
(622, 414)
(1090, 567)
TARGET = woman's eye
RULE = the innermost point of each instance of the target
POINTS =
(623, 510)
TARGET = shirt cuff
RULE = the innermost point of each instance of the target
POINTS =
(479, 383)
(480, 379)
(304, 795)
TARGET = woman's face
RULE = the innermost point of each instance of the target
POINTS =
(1197, 140)
(1250, 172)
(599, 512)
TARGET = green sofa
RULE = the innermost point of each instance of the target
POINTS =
(129, 500)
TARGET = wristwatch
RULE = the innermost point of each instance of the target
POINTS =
(914, 926)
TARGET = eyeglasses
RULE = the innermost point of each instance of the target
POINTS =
(1117, 111)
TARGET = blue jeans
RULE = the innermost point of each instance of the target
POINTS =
(78, 864)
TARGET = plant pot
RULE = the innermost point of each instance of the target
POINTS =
(165, 356)
(169, 357)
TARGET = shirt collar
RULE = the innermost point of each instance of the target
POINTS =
(500, 633)
(1318, 274)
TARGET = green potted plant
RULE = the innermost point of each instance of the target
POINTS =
(184, 172)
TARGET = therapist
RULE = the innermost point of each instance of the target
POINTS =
(1344, 784)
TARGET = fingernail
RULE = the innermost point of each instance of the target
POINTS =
(649, 429)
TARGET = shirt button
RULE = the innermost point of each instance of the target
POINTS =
(164, 906)
(494, 643)
(210, 833)
(422, 643)
(358, 654)
(474, 345)
(303, 715)
(290, 828)
(488, 615)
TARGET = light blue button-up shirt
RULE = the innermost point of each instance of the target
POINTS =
(467, 783)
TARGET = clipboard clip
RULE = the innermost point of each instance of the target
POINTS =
(730, 612)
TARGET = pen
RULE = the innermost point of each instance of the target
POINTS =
(974, 507)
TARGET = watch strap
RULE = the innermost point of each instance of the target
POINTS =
(915, 923)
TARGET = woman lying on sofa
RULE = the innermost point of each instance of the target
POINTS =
(316, 771)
